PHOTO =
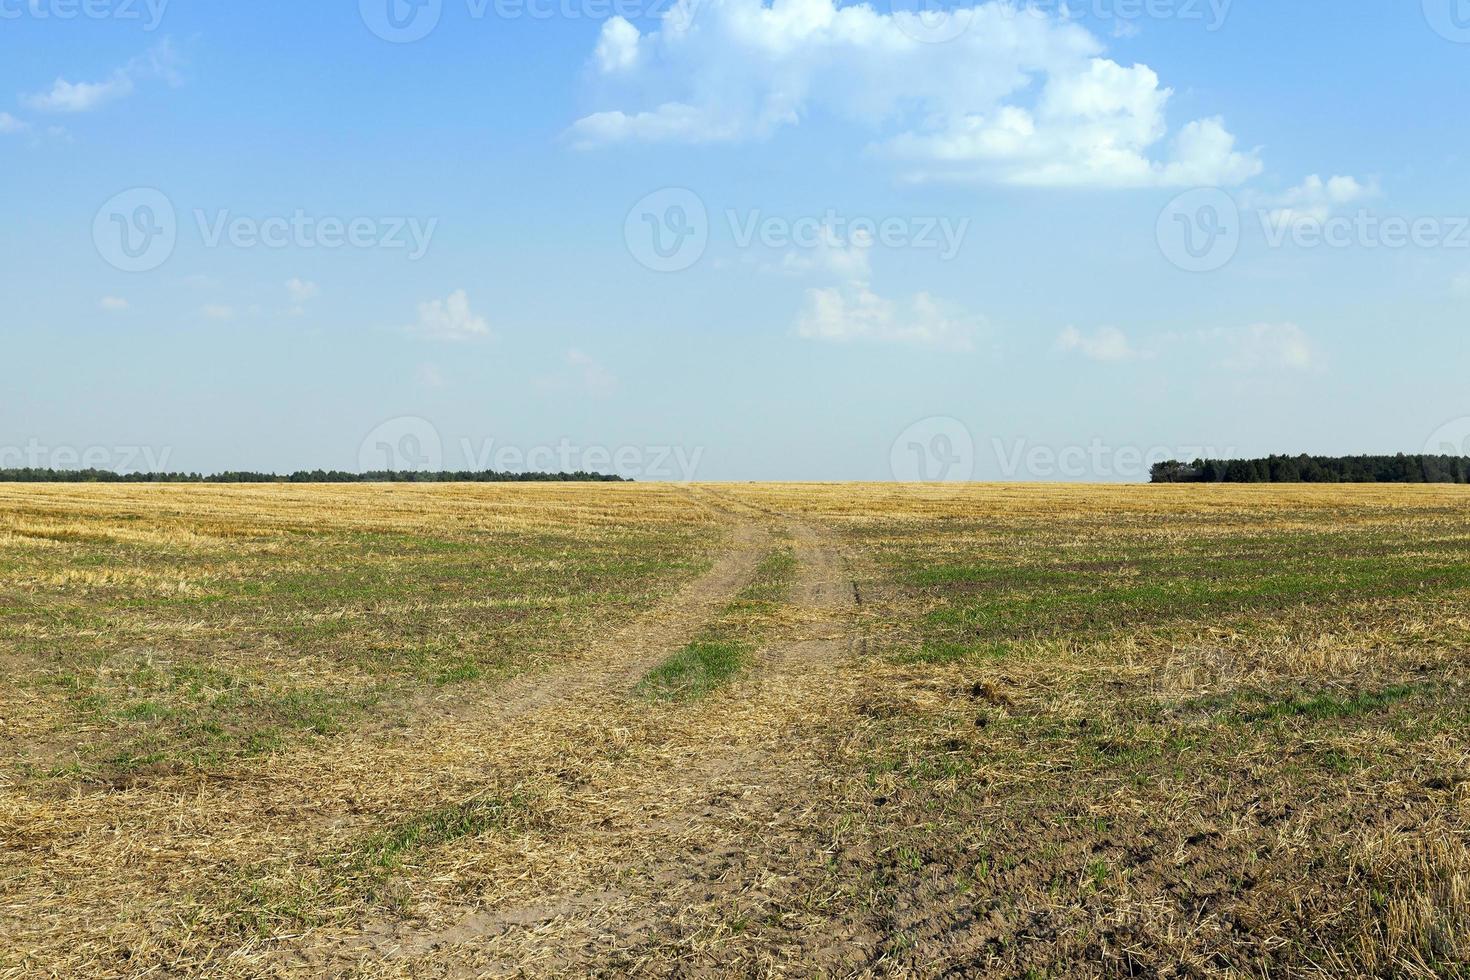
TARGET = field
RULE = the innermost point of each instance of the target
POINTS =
(766, 730)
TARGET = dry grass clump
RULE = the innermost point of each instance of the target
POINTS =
(165, 626)
(1418, 882)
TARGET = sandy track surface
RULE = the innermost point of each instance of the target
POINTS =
(196, 838)
(679, 825)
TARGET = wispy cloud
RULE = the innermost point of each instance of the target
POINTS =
(581, 373)
(301, 291)
(1263, 347)
(853, 312)
(429, 376)
(591, 374)
(450, 319)
(1107, 344)
(160, 62)
(64, 96)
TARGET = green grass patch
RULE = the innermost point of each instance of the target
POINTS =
(444, 825)
(1327, 706)
(695, 670)
(727, 645)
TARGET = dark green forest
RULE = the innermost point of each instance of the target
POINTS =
(1318, 469)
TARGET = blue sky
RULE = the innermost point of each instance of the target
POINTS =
(947, 243)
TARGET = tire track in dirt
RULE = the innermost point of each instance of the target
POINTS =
(667, 855)
(617, 662)
(293, 804)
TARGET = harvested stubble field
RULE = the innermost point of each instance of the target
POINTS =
(755, 731)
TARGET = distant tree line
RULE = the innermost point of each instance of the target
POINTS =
(30, 475)
(1318, 469)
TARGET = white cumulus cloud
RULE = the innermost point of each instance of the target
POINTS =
(1019, 96)
(450, 319)
(1107, 344)
(1315, 200)
(302, 290)
(617, 46)
(854, 312)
